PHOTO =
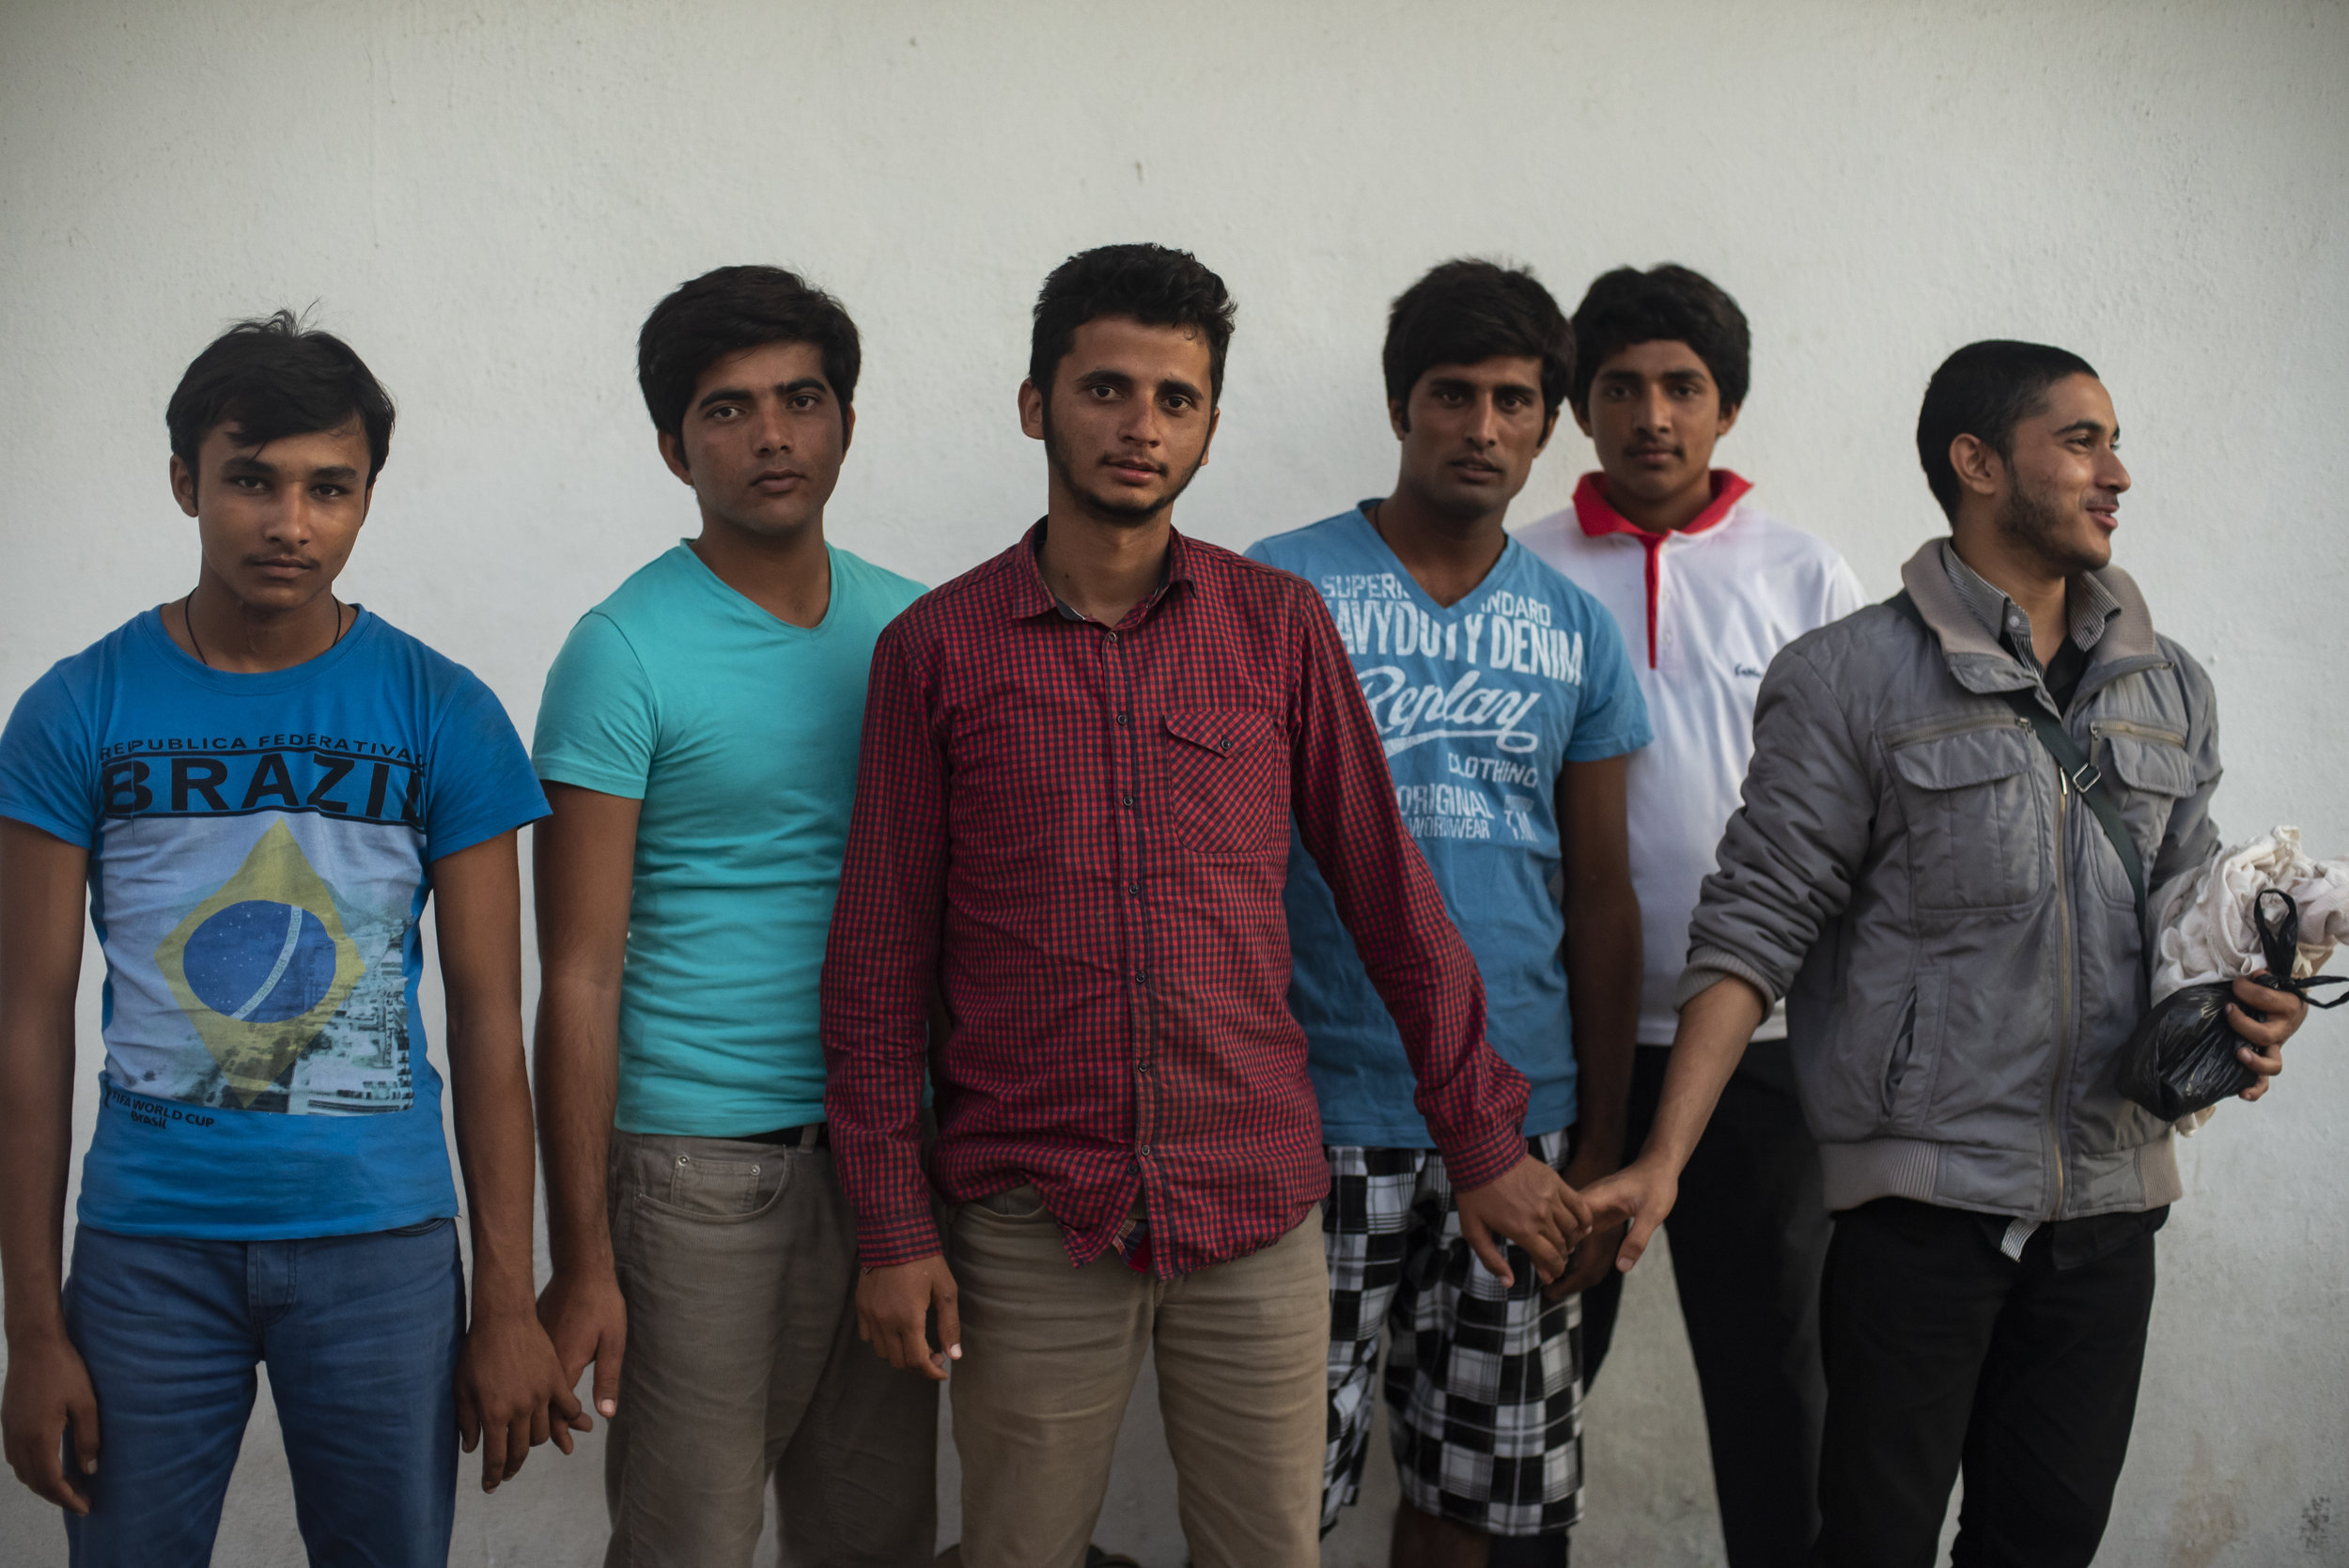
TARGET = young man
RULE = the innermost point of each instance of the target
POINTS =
(1707, 587)
(1958, 804)
(1077, 766)
(257, 787)
(698, 744)
(1506, 708)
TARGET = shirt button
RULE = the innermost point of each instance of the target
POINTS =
(1125, 718)
(1142, 1149)
(1125, 800)
(1223, 746)
(1135, 888)
(1112, 636)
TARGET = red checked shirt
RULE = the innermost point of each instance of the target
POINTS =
(1081, 834)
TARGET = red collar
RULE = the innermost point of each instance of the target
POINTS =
(1598, 518)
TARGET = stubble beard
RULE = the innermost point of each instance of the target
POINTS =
(1110, 509)
(2035, 523)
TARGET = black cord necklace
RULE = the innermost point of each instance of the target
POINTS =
(187, 622)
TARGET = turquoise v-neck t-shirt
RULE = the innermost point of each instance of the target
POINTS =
(1479, 707)
(738, 733)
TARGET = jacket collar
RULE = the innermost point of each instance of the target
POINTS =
(1981, 663)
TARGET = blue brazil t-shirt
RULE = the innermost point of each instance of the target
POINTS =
(1480, 706)
(738, 733)
(260, 849)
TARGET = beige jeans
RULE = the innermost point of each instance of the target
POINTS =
(1050, 1355)
(738, 1264)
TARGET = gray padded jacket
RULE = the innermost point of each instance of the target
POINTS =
(1953, 932)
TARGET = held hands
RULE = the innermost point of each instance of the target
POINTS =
(2264, 1053)
(49, 1391)
(586, 1321)
(1644, 1193)
(892, 1312)
(1531, 1205)
(1593, 1257)
(511, 1394)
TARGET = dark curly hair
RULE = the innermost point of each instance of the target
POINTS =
(1627, 306)
(1152, 283)
(1469, 310)
(726, 311)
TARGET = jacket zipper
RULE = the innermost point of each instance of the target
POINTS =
(2143, 732)
(1947, 727)
(2063, 1019)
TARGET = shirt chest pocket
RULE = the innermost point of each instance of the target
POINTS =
(2155, 772)
(1226, 780)
(1978, 836)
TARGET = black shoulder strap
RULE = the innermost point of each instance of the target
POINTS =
(2077, 772)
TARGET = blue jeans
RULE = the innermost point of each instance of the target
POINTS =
(361, 1334)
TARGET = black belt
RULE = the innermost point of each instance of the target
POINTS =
(811, 1135)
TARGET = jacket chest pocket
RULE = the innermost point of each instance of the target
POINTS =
(1978, 835)
(2153, 772)
(1226, 780)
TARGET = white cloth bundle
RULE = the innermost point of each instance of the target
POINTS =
(2204, 926)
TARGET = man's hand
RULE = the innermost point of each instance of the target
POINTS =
(1644, 1193)
(511, 1394)
(1531, 1205)
(48, 1390)
(586, 1320)
(1593, 1256)
(893, 1310)
(2264, 1052)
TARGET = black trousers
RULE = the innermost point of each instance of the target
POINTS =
(1748, 1235)
(1942, 1353)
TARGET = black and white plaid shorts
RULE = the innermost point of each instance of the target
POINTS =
(1484, 1382)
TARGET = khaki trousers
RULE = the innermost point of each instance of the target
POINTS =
(1050, 1355)
(739, 1264)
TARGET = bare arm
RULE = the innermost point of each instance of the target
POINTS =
(508, 1380)
(1714, 1031)
(1603, 968)
(42, 882)
(584, 867)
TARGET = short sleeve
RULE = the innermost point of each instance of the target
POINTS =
(1844, 593)
(597, 722)
(47, 762)
(1613, 719)
(481, 780)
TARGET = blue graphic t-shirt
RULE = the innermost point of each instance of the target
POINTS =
(1481, 707)
(260, 855)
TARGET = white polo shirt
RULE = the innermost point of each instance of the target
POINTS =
(1704, 609)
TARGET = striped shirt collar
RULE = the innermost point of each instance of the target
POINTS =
(2089, 604)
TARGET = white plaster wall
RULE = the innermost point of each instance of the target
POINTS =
(486, 199)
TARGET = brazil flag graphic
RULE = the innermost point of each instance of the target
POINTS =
(262, 965)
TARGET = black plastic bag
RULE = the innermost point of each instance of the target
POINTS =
(2182, 1056)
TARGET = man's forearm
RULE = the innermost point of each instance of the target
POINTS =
(1602, 965)
(494, 1145)
(578, 1086)
(37, 1113)
(43, 886)
(1715, 1028)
